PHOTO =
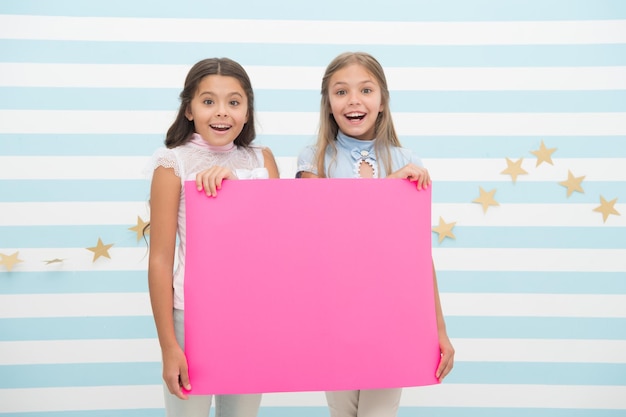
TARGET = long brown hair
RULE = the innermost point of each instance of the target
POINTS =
(384, 131)
(180, 131)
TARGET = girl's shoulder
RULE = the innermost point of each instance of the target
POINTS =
(163, 157)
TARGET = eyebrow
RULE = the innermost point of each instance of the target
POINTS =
(359, 82)
(234, 93)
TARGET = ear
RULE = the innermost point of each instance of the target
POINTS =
(188, 114)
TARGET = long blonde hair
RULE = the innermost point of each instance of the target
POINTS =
(384, 131)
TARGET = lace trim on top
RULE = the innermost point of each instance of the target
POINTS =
(193, 157)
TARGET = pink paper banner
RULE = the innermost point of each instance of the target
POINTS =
(309, 285)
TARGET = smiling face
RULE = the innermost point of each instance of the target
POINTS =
(219, 109)
(355, 101)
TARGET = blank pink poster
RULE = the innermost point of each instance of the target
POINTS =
(309, 285)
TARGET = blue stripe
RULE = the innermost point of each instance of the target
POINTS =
(466, 237)
(534, 237)
(583, 328)
(394, 10)
(111, 374)
(532, 282)
(79, 144)
(161, 99)
(82, 374)
(290, 145)
(142, 327)
(443, 191)
(66, 282)
(60, 282)
(526, 192)
(516, 146)
(77, 328)
(323, 411)
(84, 52)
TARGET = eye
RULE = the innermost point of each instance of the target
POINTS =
(234, 103)
(207, 101)
(366, 90)
(341, 92)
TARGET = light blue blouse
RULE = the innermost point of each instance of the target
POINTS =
(351, 153)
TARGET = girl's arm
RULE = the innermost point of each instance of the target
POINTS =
(164, 200)
(270, 163)
(445, 346)
(305, 174)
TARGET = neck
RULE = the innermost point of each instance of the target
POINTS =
(198, 140)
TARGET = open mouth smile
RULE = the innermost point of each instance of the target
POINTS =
(220, 127)
(354, 116)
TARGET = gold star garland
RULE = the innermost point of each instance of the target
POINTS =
(444, 230)
(543, 154)
(140, 228)
(100, 250)
(607, 208)
(514, 169)
(9, 261)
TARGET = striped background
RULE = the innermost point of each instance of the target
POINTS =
(534, 290)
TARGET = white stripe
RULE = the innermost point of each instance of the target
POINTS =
(304, 123)
(468, 214)
(311, 32)
(534, 305)
(79, 351)
(522, 215)
(73, 213)
(81, 259)
(518, 396)
(445, 395)
(454, 304)
(467, 350)
(75, 305)
(540, 350)
(446, 259)
(309, 78)
(440, 169)
(531, 259)
(24, 400)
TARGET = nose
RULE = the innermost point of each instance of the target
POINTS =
(221, 109)
(353, 98)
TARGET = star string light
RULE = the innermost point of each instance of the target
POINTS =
(444, 230)
(543, 154)
(9, 261)
(100, 250)
(514, 169)
(607, 208)
(486, 199)
(573, 183)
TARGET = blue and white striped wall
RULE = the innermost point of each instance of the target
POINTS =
(534, 289)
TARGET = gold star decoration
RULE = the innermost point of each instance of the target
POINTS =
(514, 168)
(100, 250)
(486, 199)
(573, 183)
(53, 261)
(607, 208)
(543, 154)
(9, 261)
(444, 229)
(139, 228)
